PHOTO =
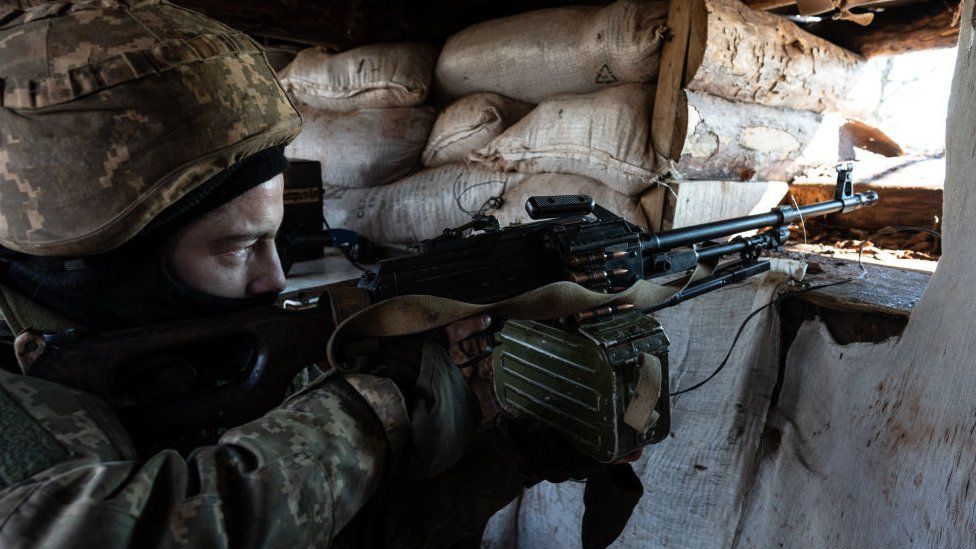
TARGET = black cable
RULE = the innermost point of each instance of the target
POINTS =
(344, 251)
(787, 295)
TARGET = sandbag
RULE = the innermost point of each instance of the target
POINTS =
(513, 209)
(469, 124)
(419, 206)
(363, 148)
(603, 135)
(537, 54)
(374, 76)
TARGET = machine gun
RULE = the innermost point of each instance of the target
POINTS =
(579, 376)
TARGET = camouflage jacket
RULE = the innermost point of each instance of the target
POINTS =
(294, 478)
(69, 475)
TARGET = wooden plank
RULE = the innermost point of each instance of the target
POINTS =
(670, 114)
(653, 202)
(887, 290)
(694, 202)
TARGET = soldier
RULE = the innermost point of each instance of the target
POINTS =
(140, 152)
(140, 159)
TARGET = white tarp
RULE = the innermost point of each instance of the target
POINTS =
(877, 441)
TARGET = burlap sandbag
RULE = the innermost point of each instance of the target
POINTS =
(469, 124)
(513, 209)
(374, 76)
(534, 55)
(417, 207)
(363, 148)
(603, 135)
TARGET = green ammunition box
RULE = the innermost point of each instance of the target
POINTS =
(580, 380)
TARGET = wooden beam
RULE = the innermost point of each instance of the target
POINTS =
(669, 119)
(889, 290)
(693, 202)
(925, 25)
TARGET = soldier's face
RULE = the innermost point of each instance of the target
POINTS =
(231, 252)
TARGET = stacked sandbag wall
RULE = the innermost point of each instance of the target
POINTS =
(412, 141)
(432, 136)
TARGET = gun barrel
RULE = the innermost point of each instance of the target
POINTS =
(778, 217)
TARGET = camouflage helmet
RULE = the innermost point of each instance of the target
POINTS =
(112, 110)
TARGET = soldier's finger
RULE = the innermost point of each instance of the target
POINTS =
(477, 344)
(470, 345)
(456, 331)
(457, 354)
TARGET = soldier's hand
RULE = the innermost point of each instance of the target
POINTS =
(468, 340)
(469, 345)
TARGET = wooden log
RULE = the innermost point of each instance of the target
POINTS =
(694, 202)
(759, 57)
(925, 25)
(741, 141)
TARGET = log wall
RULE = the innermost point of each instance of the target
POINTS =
(741, 141)
(757, 57)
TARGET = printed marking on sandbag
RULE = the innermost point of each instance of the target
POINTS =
(606, 76)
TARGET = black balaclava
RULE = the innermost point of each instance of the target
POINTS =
(131, 285)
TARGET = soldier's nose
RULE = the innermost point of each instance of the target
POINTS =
(269, 277)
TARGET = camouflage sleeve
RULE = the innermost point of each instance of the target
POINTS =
(293, 478)
(449, 510)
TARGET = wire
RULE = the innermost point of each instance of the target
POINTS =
(787, 295)
(800, 213)
(344, 251)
